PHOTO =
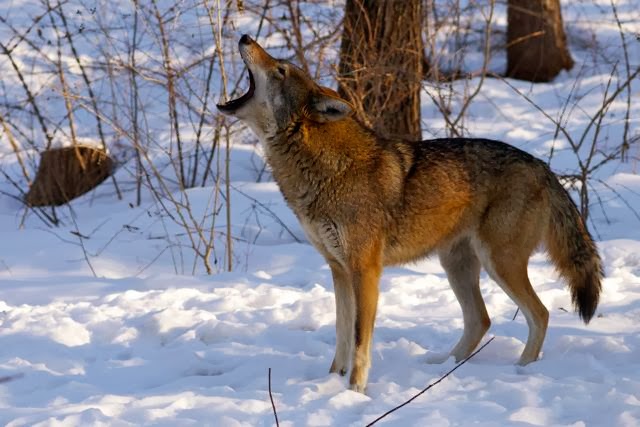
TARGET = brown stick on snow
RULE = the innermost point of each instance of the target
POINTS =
(424, 390)
(273, 405)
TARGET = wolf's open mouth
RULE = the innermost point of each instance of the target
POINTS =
(234, 104)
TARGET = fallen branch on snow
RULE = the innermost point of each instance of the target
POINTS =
(430, 385)
(273, 405)
(10, 378)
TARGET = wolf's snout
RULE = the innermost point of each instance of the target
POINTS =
(248, 55)
(245, 39)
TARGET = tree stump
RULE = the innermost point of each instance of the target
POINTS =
(66, 173)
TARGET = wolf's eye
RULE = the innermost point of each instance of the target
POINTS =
(282, 71)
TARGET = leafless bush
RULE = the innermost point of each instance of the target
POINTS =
(450, 35)
(591, 150)
(140, 79)
(457, 76)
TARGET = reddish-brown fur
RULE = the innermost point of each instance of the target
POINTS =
(367, 202)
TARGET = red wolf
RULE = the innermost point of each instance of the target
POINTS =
(366, 202)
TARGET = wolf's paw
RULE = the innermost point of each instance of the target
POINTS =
(336, 369)
(526, 359)
(434, 358)
(342, 372)
(358, 388)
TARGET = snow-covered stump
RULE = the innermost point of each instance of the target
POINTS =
(68, 172)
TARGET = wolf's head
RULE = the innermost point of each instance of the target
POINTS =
(279, 91)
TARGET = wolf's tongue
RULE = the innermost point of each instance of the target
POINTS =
(234, 104)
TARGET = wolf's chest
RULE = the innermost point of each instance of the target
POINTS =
(326, 236)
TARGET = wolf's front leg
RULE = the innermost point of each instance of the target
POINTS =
(365, 275)
(345, 317)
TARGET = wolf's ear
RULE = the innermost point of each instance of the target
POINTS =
(327, 106)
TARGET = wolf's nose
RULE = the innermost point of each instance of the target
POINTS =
(245, 39)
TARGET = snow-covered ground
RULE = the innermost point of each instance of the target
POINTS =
(120, 332)
(165, 349)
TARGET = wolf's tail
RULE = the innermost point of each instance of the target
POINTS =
(573, 252)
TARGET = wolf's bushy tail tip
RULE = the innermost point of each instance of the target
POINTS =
(585, 298)
(574, 253)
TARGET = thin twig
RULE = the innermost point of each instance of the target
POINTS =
(50, 220)
(485, 66)
(80, 237)
(622, 199)
(64, 87)
(625, 134)
(87, 82)
(273, 405)
(16, 150)
(270, 212)
(9, 378)
(431, 385)
(30, 97)
(170, 75)
(135, 104)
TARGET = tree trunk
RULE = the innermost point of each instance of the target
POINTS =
(536, 42)
(381, 65)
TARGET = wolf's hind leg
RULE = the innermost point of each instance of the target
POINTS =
(511, 275)
(463, 271)
(512, 228)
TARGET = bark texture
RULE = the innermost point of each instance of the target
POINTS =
(66, 173)
(381, 65)
(536, 43)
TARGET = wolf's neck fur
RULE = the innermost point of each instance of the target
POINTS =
(320, 165)
(308, 159)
